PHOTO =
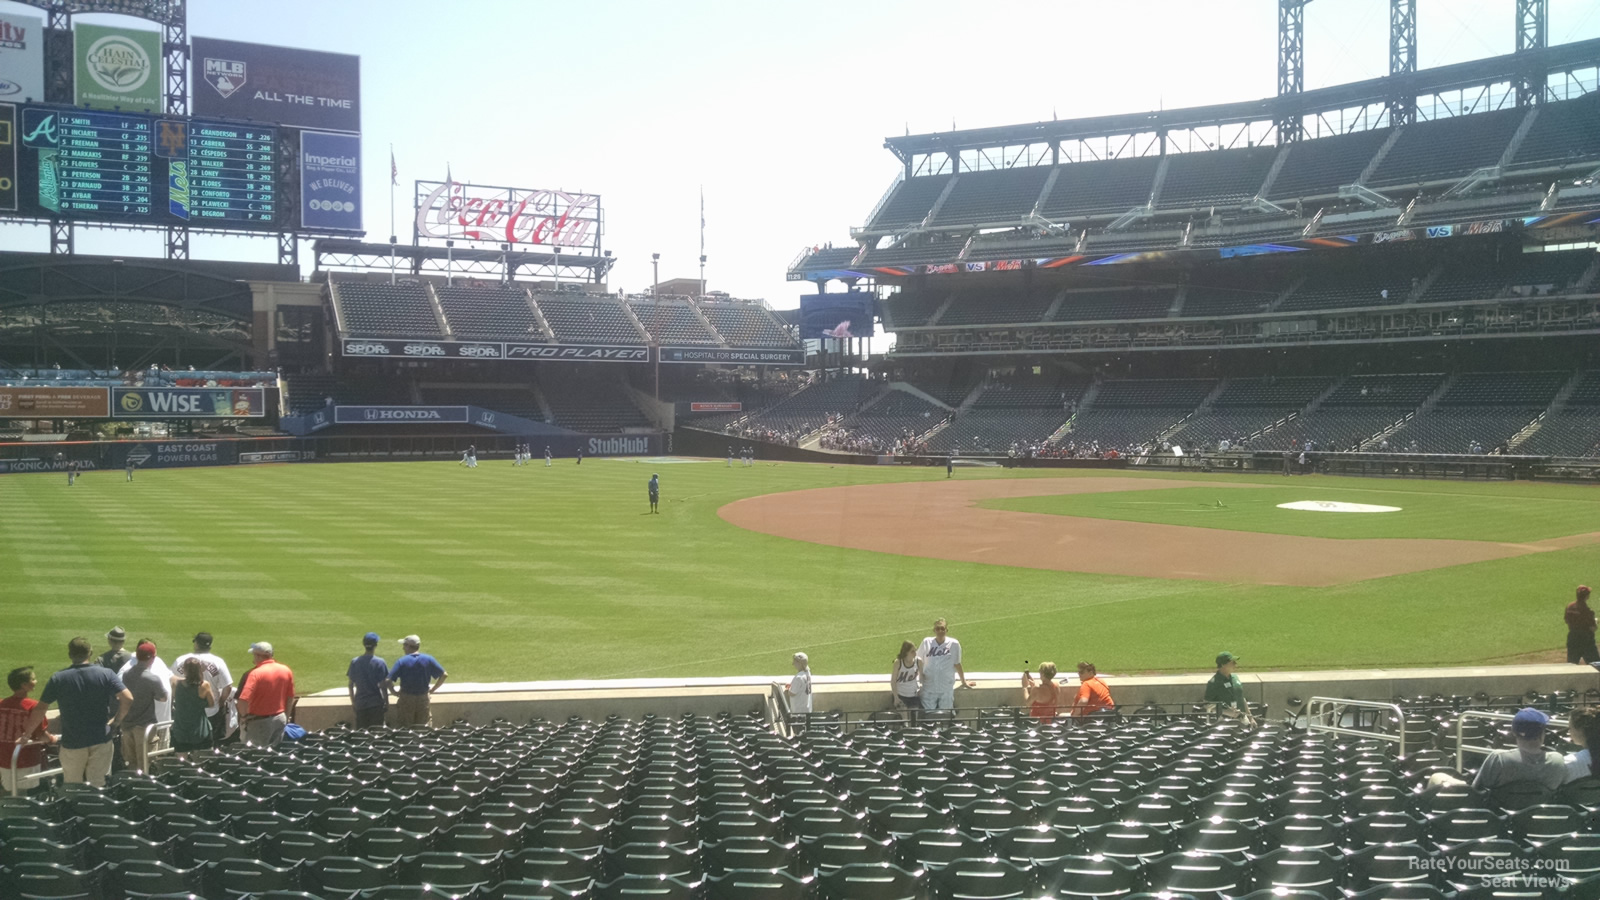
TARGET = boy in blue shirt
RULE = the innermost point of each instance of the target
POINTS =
(369, 695)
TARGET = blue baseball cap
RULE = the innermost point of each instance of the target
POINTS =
(371, 638)
(1529, 722)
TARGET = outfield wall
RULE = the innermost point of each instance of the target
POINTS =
(860, 695)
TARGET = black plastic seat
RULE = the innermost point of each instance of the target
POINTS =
(1397, 864)
(1384, 828)
(565, 834)
(1544, 821)
(43, 850)
(993, 814)
(344, 874)
(1077, 812)
(821, 820)
(1518, 795)
(644, 887)
(266, 822)
(1089, 876)
(1304, 832)
(1202, 876)
(835, 851)
(872, 882)
(909, 817)
(1307, 802)
(738, 823)
(378, 844)
(653, 829)
(1031, 845)
(935, 849)
(1477, 862)
(35, 879)
(732, 854)
(346, 820)
(1300, 870)
(984, 879)
(1222, 837)
(556, 866)
(748, 885)
(457, 871)
(1466, 824)
(656, 860)
(479, 839)
(139, 879)
(1573, 856)
(1127, 840)
(237, 877)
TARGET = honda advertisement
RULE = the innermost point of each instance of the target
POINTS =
(390, 415)
(188, 403)
(280, 85)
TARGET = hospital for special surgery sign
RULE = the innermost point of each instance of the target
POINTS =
(450, 210)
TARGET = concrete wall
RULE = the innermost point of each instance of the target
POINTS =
(863, 694)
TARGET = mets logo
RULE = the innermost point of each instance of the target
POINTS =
(132, 402)
(172, 138)
(117, 63)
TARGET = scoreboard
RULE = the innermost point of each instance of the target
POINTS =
(149, 170)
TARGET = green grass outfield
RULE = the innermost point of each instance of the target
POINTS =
(535, 573)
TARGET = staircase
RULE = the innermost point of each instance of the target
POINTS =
(1528, 431)
(943, 307)
(1587, 279)
(1176, 309)
(538, 315)
(1427, 281)
(438, 311)
(1272, 173)
(1516, 138)
(700, 314)
(1557, 403)
(644, 333)
(933, 213)
(1320, 398)
(1278, 300)
(1205, 406)
(1377, 158)
(972, 397)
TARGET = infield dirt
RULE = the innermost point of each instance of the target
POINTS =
(942, 520)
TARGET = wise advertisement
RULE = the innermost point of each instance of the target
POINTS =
(188, 403)
(330, 181)
(53, 403)
(21, 57)
(116, 68)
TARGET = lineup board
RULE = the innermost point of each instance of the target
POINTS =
(232, 172)
(86, 164)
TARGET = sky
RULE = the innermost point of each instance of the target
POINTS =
(777, 111)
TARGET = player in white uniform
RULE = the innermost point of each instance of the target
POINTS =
(547, 456)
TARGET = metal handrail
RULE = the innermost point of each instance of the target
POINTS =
(16, 754)
(1461, 748)
(1319, 709)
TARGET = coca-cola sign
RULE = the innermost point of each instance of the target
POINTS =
(450, 210)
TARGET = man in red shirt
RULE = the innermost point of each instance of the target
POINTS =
(264, 702)
(14, 711)
(1580, 629)
(1093, 695)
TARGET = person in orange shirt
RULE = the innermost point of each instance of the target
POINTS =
(265, 699)
(1044, 698)
(1093, 695)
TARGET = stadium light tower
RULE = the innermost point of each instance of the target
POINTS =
(655, 265)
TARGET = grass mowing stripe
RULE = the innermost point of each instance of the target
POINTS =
(565, 576)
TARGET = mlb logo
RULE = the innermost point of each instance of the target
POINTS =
(226, 75)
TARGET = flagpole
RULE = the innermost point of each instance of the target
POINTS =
(394, 177)
(702, 242)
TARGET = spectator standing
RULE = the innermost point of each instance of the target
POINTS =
(368, 677)
(148, 689)
(941, 663)
(799, 687)
(1093, 695)
(1044, 698)
(220, 710)
(163, 705)
(85, 691)
(413, 672)
(905, 680)
(116, 657)
(1226, 692)
(1580, 629)
(14, 715)
(1529, 761)
(192, 696)
(264, 699)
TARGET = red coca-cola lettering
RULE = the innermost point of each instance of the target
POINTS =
(552, 218)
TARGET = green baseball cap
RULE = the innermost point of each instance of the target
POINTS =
(1226, 657)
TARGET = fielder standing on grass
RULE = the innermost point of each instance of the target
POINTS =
(655, 492)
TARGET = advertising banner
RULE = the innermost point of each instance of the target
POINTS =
(480, 350)
(330, 181)
(280, 85)
(188, 403)
(717, 406)
(276, 456)
(155, 455)
(733, 357)
(54, 403)
(389, 415)
(117, 68)
(21, 56)
(8, 157)
(450, 210)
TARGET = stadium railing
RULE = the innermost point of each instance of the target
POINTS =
(1328, 715)
(148, 734)
(1557, 725)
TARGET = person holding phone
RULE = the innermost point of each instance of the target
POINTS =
(1043, 698)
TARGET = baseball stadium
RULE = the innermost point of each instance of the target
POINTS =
(1278, 420)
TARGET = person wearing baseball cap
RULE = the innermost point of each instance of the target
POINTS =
(264, 700)
(1225, 693)
(1580, 629)
(413, 672)
(1530, 761)
(214, 669)
(148, 688)
(117, 656)
(368, 675)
